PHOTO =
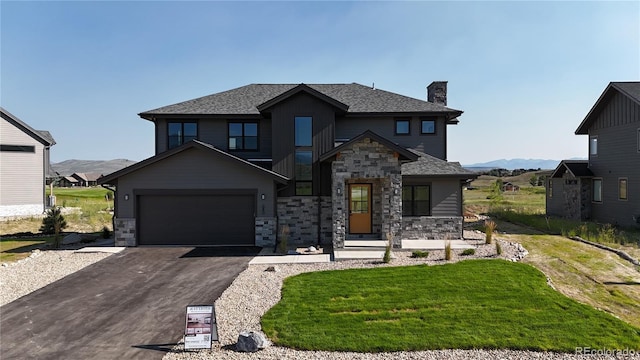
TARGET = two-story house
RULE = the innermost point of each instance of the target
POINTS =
(24, 167)
(329, 161)
(605, 188)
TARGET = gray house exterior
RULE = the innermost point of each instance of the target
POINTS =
(606, 188)
(331, 162)
(24, 160)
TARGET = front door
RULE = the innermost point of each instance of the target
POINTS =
(360, 208)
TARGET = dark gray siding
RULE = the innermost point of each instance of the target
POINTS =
(446, 194)
(215, 131)
(434, 145)
(554, 197)
(283, 116)
(195, 169)
(616, 128)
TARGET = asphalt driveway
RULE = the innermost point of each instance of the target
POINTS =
(128, 306)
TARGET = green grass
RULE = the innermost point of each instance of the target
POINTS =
(489, 304)
(16, 249)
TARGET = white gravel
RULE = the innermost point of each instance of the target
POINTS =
(255, 291)
(41, 268)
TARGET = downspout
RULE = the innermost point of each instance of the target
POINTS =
(113, 217)
(319, 205)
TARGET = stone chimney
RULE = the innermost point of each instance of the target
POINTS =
(437, 92)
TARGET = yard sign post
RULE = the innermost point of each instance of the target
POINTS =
(200, 328)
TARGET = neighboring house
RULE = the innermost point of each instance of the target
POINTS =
(24, 164)
(328, 161)
(68, 181)
(507, 186)
(605, 188)
(86, 179)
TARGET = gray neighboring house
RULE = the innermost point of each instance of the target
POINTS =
(24, 161)
(605, 188)
(331, 162)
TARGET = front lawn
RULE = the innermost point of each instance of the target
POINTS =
(489, 304)
(17, 249)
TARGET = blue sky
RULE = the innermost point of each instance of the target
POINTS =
(524, 73)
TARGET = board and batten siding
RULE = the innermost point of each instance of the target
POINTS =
(446, 194)
(195, 169)
(432, 144)
(617, 130)
(283, 123)
(215, 131)
(21, 173)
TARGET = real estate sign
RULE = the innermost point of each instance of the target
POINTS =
(200, 328)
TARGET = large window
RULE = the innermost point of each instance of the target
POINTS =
(303, 155)
(18, 148)
(597, 190)
(639, 140)
(181, 133)
(593, 145)
(622, 189)
(416, 200)
(403, 127)
(243, 136)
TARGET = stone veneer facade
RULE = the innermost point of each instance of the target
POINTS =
(367, 161)
(125, 232)
(432, 227)
(577, 197)
(300, 214)
(266, 231)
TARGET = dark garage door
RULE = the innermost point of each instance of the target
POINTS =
(196, 219)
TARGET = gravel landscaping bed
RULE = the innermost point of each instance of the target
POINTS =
(255, 291)
(41, 268)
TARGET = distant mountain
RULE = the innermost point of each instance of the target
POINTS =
(104, 167)
(517, 164)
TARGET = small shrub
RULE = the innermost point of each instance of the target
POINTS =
(607, 234)
(489, 228)
(447, 250)
(468, 252)
(53, 223)
(387, 251)
(283, 246)
(498, 248)
(419, 254)
(106, 233)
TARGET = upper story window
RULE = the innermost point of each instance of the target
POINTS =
(428, 126)
(243, 136)
(550, 188)
(622, 189)
(303, 129)
(416, 200)
(18, 148)
(403, 127)
(597, 190)
(303, 155)
(593, 145)
(181, 132)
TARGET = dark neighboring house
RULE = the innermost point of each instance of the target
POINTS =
(329, 161)
(68, 181)
(507, 186)
(24, 164)
(605, 188)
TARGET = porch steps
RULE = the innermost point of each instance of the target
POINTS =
(361, 249)
(365, 243)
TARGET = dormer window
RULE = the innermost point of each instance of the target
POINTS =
(181, 132)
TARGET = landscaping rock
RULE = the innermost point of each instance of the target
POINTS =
(251, 341)
(272, 268)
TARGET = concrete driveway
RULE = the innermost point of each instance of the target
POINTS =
(128, 306)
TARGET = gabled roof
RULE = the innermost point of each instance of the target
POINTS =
(302, 88)
(577, 168)
(428, 165)
(41, 136)
(246, 100)
(629, 89)
(108, 179)
(404, 153)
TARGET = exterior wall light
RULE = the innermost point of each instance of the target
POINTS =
(262, 196)
(126, 197)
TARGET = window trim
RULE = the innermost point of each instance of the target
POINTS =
(626, 188)
(435, 127)
(243, 122)
(593, 198)
(413, 201)
(550, 188)
(395, 126)
(181, 122)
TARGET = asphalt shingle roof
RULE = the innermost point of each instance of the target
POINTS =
(244, 100)
(631, 89)
(579, 168)
(41, 135)
(432, 166)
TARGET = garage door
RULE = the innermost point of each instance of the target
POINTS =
(192, 220)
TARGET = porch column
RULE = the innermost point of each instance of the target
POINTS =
(339, 209)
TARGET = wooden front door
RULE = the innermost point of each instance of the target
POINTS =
(360, 208)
